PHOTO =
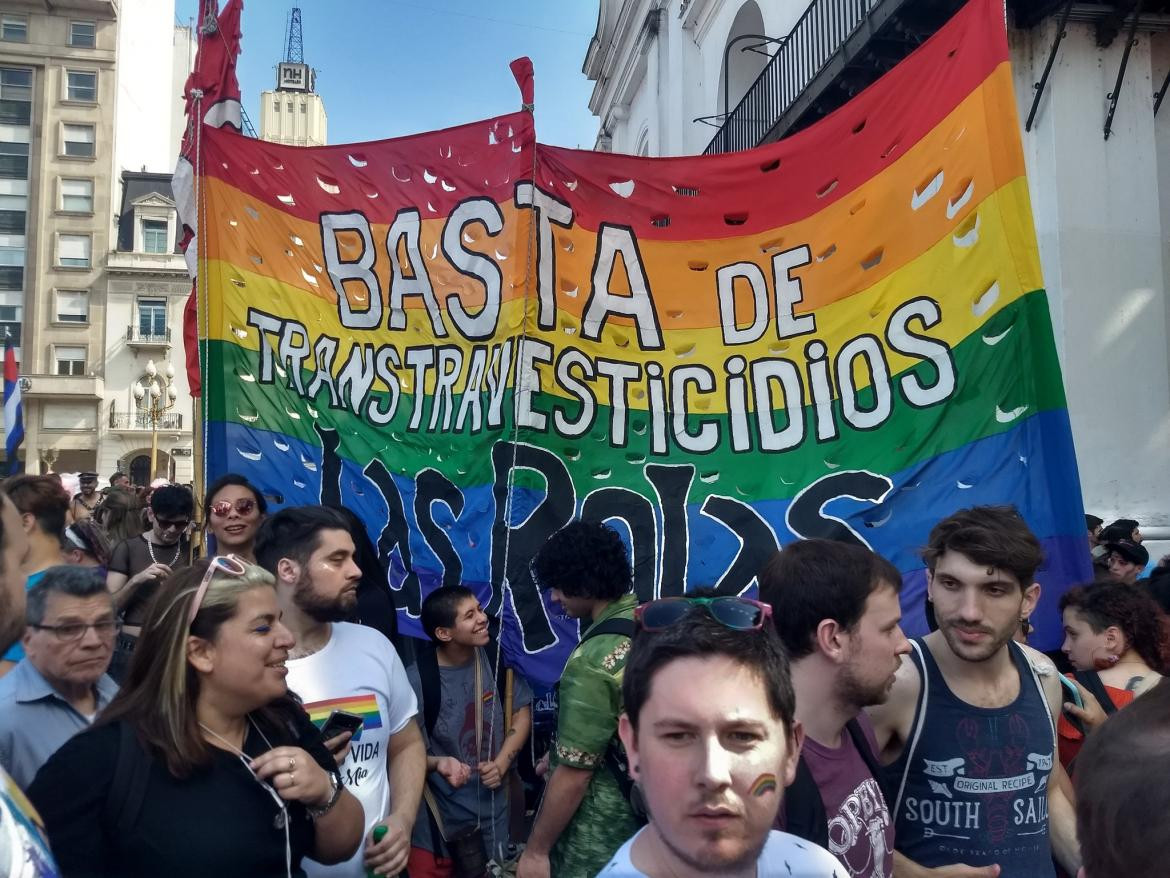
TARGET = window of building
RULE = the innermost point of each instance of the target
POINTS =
(79, 141)
(15, 96)
(11, 310)
(152, 318)
(77, 195)
(70, 360)
(154, 236)
(72, 306)
(12, 250)
(73, 251)
(83, 34)
(14, 152)
(14, 28)
(276, 105)
(304, 109)
(288, 106)
(81, 85)
(13, 194)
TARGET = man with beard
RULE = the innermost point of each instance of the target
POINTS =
(340, 666)
(85, 502)
(968, 733)
(836, 609)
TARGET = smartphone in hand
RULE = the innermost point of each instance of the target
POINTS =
(340, 721)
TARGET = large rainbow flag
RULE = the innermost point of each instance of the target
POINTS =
(470, 338)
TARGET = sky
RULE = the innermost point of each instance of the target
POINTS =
(386, 68)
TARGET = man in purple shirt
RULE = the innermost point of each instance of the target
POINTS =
(836, 608)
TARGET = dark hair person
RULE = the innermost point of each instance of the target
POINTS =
(1116, 636)
(203, 764)
(233, 510)
(85, 543)
(1123, 801)
(375, 602)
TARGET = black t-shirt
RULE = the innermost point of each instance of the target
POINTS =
(131, 557)
(218, 823)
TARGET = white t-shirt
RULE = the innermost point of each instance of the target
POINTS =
(783, 855)
(357, 671)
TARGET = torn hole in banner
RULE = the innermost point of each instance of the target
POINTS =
(357, 159)
(770, 245)
(328, 185)
(894, 144)
(779, 347)
(638, 427)
(879, 516)
(826, 189)
(966, 483)
(401, 175)
(954, 137)
(622, 188)
(986, 300)
(287, 200)
(926, 190)
(709, 478)
(735, 219)
(859, 127)
(252, 212)
(256, 258)
(998, 327)
(674, 314)
(967, 234)
(237, 331)
(827, 252)
(280, 446)
(245, 375)
(661, 221)
(686, 191)
(249, 452)
(873, 259)
(962, 195)
(429, 176)
(697, 265)
(247, 413)
(635, 457)
(768, 167)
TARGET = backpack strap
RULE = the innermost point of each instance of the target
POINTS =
(804, 810)
(862, 745)
(617, 625)
(128, 788)
(1091, 680)
(427, 661)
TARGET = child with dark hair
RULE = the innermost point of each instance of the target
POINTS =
(473, 730)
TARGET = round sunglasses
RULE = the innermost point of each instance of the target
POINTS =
(223, 508)
(739, 614)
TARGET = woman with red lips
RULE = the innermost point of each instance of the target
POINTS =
(203, 764)
(233, 511)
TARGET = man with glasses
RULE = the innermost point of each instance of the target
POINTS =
(138, 564)
(709, 727)
(60, 685)
(42, 504)
(585, 815)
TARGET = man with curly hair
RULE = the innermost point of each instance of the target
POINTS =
(585, 817)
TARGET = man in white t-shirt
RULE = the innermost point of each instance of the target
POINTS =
(708, 727)
(337, 665)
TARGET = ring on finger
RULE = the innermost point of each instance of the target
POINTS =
(292, 778)
(292, 763)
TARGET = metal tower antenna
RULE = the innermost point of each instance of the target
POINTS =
(294, 40)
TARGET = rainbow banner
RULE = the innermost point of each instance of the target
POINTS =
(470, 338)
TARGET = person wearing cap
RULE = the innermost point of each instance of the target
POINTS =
(85, 502)
(1127, 560)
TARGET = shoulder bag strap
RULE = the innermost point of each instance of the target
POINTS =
(804, 810)
(1091, 680)
(616, 625)
(861, 744)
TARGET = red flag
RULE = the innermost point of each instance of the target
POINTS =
(212, 94)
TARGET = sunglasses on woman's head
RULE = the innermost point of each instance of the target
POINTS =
(223, 508)
(739, 614)
(230, 565)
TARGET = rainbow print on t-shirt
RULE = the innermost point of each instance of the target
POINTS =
(365, 706)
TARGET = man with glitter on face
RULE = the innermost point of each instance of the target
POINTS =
(712, 740)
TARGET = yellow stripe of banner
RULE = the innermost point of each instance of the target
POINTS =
(969, 273)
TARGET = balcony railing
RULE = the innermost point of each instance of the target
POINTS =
(135, 335)
(141, 421)
(805, 52)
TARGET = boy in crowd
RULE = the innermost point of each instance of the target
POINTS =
(467, 766)
(968, 732)
(709, 728)
(845, 642)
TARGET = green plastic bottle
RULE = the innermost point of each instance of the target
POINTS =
(379, 833)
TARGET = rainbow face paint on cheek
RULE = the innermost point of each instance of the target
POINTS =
(764, 784)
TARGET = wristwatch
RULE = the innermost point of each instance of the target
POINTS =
(335, 788)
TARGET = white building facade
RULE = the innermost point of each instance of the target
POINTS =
(1101, 206)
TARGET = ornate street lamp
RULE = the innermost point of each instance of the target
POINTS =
(155, 398)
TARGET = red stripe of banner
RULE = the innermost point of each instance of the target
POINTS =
(437, 168)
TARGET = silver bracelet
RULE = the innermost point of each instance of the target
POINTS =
(335, 794)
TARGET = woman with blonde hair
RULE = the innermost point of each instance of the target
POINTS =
(203, 764)
(120, 515)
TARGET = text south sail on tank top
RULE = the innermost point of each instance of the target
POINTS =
(971, 785)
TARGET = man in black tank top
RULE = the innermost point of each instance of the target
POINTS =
(968, 734)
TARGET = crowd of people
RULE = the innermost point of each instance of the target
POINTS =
(236, 700)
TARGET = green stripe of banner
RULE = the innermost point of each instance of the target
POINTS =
(1020, 370)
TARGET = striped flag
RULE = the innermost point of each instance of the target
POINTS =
(13, 409)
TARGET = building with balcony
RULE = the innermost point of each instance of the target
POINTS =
(57, 98)
(677, 77)
(146, 289)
